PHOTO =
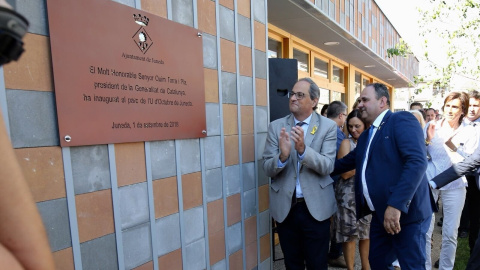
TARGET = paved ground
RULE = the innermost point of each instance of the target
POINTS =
(437, 240)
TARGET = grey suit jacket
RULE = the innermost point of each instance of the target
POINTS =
(470, 163)
(315, 168)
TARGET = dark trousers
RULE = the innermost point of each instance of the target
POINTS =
(408, 246)
(474, 261)
(473, 202)
(304, 240)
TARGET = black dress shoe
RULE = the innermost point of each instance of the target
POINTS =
(437, 264)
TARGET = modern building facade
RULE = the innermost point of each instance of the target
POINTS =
(194, 203)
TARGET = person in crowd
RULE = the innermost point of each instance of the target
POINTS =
(430, 114)
(438, 116)
(23, 240)
(390, 182)
(473, 194)
(348, 227)
(299, 156)
(323, 112)
(450, 133)
(337, 111)
(419, 117)
(416, 106)
(469, 164)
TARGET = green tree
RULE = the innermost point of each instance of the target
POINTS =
(453, 25)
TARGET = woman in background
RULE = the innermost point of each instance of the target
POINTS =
(446, 141)
(348, 228)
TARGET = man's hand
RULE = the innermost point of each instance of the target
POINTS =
(391, 221)
(285, 145)
(297, 137)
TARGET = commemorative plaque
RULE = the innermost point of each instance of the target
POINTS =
(124, 75)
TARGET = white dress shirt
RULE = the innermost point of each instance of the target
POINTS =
(441, 157)
(298, 188)
(375, 125)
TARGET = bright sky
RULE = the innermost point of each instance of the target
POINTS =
(404, 17)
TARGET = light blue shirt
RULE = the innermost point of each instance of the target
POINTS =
(298, 188)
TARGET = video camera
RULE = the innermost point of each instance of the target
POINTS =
(13, 27)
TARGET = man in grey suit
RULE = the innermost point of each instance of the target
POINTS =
(470, 163)
(299, 157)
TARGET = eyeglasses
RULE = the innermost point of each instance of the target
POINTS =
(298, 95)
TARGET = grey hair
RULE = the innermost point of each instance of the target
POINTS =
(314, 91)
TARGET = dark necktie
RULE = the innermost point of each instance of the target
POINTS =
(370, 132)
(299, 124)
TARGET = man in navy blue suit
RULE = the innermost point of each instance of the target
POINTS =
(390, 162)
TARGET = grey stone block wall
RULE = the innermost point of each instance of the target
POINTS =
(137, 246)
(33, 118)
(214, 184)
(54, 214)
(221, 265)
(162, 155)
(90, 168)
(260, 64)
(227, 25)
(133, 205)
(194, 224)
(229, 88)
(259, 7)
(264, 218)
(189, 155)
(232, 179)
(213, 152)
(250, 203)
(213, 119)
(182, 12)
(234, 238)
(195, 255)
(248, 170)
(168, 234)
(244, 31)
(209, 51)
(246, 90)
(130, 3)
(36, 12)
(100, 253)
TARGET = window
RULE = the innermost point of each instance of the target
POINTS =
(324, 96)
(337, 74)
(366, 82)
(358, 86)
(274, 48)
(338, 96)
(320, 68)
(302, 59)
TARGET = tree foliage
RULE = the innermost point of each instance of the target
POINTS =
(453, 25)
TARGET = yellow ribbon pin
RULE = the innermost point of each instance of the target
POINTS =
(314, 130)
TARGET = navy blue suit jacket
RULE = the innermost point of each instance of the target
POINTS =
(395, 171)
(470, 163)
